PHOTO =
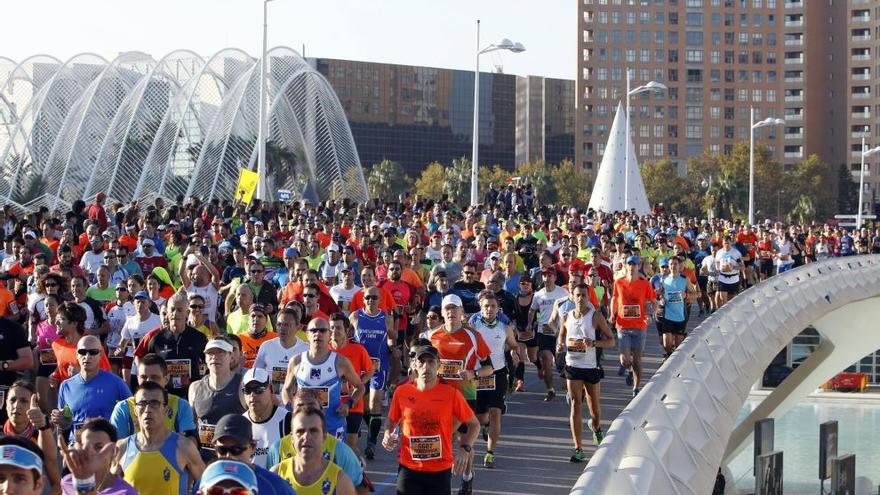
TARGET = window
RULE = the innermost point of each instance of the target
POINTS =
(672, 56)
(658, 149)
(694, 38)
(694, 56)
(694, 75)
(693, 112)
(694, 132)
(694, 19)
(715, 113)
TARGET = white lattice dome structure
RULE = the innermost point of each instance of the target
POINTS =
(140, 128)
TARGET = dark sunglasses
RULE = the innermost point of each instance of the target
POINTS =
(196, 306)
(88, 352)
(234, 450)
(51, 285)
(310, 295)
(254, 390)
(319, 330)
(371, 298)
(219, 490)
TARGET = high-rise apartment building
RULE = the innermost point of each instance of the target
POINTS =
(809, 62)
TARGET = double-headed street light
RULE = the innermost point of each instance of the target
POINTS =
(756, 125)
(865, 154)
(651, 86)
(502, 44)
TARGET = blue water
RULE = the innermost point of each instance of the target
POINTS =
(797, 435)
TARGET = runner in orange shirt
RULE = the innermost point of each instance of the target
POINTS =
(71, 322)
(421, 422)
(629, 314)
(341, 341)
(368, 279)
(255, 335)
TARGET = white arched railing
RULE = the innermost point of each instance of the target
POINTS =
(674, 435)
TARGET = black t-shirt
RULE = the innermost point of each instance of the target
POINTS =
(189, 345)
(468, 293)
(12, 338)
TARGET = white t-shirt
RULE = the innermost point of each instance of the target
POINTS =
(543, 303)
(267, 433)
(90, 262)
(274, 358)
(433, 254)
(709, 264)
(727, 262)
(134, 329)
(209, 294)
(116, 317)
(343, 296)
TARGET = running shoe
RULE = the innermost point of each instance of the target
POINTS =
(484, 432)
(467, 487)
(578, 456)
(621, 371)
(629, 379)
(520, 385)
(635, 392)
(370, 452)
(551, 394)
(598, 436)
(489, 461)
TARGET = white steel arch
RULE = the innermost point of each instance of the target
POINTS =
(672, 437)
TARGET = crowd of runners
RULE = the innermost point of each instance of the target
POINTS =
(218, 348)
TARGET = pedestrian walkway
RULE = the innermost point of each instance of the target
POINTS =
(535, 440)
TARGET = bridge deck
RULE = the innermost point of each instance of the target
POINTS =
(532, 457)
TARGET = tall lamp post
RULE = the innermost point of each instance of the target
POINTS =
(262, 192)
(755, 125)
(865, 154)
(502, 44)
(651, 86)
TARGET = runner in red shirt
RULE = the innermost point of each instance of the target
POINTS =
(341, 341)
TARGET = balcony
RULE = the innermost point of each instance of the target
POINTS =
(860, 18)
(794, 116)
(795, 42)
(793, 5)
(798, 79)
(794, 98)
(861, 77)
(861, 57)
(794, 60)
(797, 23)
(859, 38)
(861, 96)
(861, 115)
(794, 154)
(859, 134)
(855, 173)
(797, 135)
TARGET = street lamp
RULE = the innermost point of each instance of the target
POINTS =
(764, 123)
(865, 154)
(707, 185)
(502, 44)
(262, 186)
(651, 86)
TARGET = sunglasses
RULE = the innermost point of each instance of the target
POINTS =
(253, 272)
(432, 317)
(254, 390)
(371, 298)
(319, 330)
(124, 289)
(310, 295)
(51, 285)
(196, 306)
(88, 352)
(219, 490)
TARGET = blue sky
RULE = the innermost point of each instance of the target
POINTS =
(439, 33)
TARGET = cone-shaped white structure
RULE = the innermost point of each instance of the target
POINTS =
(609, 189)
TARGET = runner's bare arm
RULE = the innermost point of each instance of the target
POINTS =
(560, 336)
(288, 390)
(606, 339)
(344, 486)
(346, 371)
(120, 455)
(391, 328)
(188, 456)
(554, 316)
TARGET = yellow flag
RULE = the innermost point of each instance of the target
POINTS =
(247, 184)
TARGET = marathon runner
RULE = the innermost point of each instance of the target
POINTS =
(629, 313)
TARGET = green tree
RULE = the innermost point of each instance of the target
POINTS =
(572, 184)
(457, 183)
(663, 184)
(495, 176)
(387, 180)
(812, 180)
(430, 183)
(847, 191)
(538, 175)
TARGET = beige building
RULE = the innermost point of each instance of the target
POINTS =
(809, 62)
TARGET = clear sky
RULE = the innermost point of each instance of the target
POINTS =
(437, 33)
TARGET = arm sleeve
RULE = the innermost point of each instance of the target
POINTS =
(185, 421)
(348, 461)
(121, 419)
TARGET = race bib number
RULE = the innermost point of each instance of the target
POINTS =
(47, 356)
(576, 345)
(206, 435)
(449, 369)
(377, 364)
(524, 336)
(673, 296)
(632, 311)
(180, 372)
(425, 448)
(548, 330)
(486, 382)
(323, 394)
(278, 376)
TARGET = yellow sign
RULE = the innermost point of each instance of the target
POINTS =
(247, 185)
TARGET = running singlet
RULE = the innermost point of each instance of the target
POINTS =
(324, 485)
(156, 473)
(577, 331)
(462, 349)
(372, 334)
(494, 334)
(267, 433)
(324, 379)
(674, 293)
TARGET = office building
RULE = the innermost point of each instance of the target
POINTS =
(544, 119)
(806, 62)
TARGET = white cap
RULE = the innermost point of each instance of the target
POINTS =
(255, 375)
(333, 247)
(494, 255)
(148, 242)
(221, 344)
(451, 300)
(374, 223)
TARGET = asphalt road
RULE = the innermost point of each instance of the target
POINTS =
(532, 457)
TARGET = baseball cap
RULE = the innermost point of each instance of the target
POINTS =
(148, 242)
(421, 350)
(664, 261)
(226, 470)
(333, 247)
(633, 260)
(452, 300)
(130, 227)
(257, 307)
(494, 255)
(291, 253)
(235, 426)
(162, 228)
(258, 238)
(221, 344)
(142, 294)
(121, 285)
(374, 223)
(254, 375)
(20, 457)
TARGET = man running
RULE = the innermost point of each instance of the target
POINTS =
(629, 314)
(375, 330)
(497, 331)
(677, 292)
(156, 460)
(542, 308)
(322, 369)
(583, 330)
(340, 339)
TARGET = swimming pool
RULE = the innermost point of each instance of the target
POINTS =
(797, 435)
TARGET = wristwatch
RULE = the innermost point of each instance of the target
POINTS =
(5, 365)
(467, 448)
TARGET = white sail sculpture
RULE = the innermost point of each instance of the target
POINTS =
(610, 187)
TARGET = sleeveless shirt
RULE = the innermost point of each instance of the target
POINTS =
(155, 472)
(577, 331)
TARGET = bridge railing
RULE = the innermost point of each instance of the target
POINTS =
(671, 438)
